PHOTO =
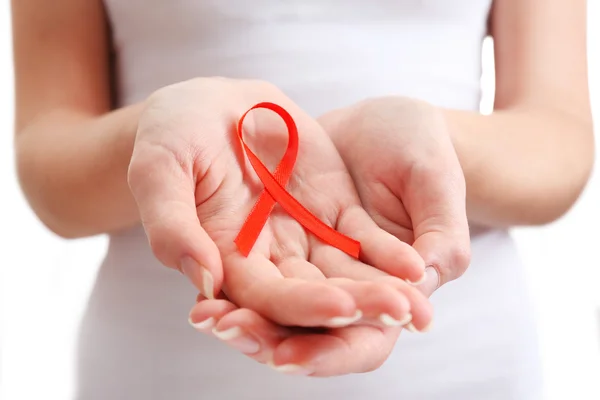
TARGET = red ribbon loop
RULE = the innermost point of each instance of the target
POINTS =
(274, 192)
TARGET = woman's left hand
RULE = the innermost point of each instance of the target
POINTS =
(402, 160)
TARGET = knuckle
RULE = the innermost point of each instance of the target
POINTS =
(266, 86)
(394, 282)
(207, 89)
(259, 89)
(136, 174)
(160, 239)
(460, 258)
(214, 86)
(157, 238)
(138, 165)
(206, 82)
(159, 248)
(169, 229)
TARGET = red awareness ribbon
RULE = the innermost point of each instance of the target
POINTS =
(275, 192)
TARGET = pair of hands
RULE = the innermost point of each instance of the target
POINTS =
(383, 172)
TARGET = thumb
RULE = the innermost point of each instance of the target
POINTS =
(446, 255)
(431, 282)
(441, 229)
(164, 191)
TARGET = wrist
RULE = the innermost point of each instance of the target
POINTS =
(467, 135)
(458, 124)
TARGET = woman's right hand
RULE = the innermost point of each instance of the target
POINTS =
(317, 353)
(194, 191)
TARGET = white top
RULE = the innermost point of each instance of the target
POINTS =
(135, 341)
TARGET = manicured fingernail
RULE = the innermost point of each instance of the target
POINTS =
(199, 276)
(236, 338)
(388, 320)
(290, 369)
(208, 284)
(431, 283)
(339, 322)
(420, 281)
(203, 325)
(412, 328)
(428, 327)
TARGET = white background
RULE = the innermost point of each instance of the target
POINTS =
(44, 281)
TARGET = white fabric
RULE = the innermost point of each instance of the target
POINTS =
(135, 341)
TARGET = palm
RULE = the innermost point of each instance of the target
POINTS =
(320, 284)
(408, 176)
(187, 167)
(384, 204)
(392, 187)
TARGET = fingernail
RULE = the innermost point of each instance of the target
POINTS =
(412, 328)
(432, 282)
(428, 327)
(339, 322)
(290, 369)
(203, 325)
(236, 338)
(199, 276)
(388, 320)
(420, 281)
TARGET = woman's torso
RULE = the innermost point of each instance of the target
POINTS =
(321, 53)
(135, 341)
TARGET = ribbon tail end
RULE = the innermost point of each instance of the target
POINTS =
(243, 247)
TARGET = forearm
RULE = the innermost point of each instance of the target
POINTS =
(521, 168)
(73, 170)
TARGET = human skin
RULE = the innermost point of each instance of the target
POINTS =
(524, 164)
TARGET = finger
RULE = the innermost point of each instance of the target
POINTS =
(205, 315)
(337, 352)
(380, 304)
(164, 191)
(220, 296)
(421, 308)
(348, 350)
(448, 254)
(296, 267)
(334, 263)
(337, 264)
(250, 333)
(254, 282)
(380, 248)
(432, 282)
(438, 212)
